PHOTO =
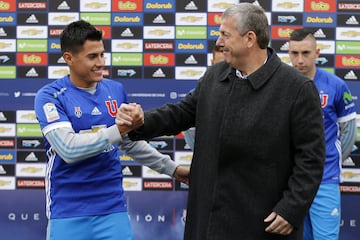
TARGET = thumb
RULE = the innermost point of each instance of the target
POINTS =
(271, 217)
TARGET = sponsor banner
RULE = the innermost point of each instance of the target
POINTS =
(191, 19)
(34, 72)
(159, 59)
(159, 72)
(348, 33)
(162, 144)
(31, 156)
(287, 6)
(127, 32)
(62, 18)
(159, 18)
(157, 184)
(346, 47)
(159, 46)
(96, 18)
(325, 60)
(130, 45)
(319, 20)
(190, 60)
(214, 19)
(191, 46)
(7, 156)
(191, 32)
(7, 32)
(127, 19)
(213, 33)
(348, 74)
(282, 32)
(127, 6)
(159, 6)
(348, 20)
(189, 73)
(324, 6)
(7, 18)
(348, 61)
(131, 171)
(32, 59)
(26, 5)
(95, 6)
(127, 59)
(7, 170)
(127, 72)
(7, 45)
(7, 142)
(287, 18)
(7, 59)
(28, 129)
(30, 143)
(63, 6)
(348, 6)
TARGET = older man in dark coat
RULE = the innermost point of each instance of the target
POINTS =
(259, 144)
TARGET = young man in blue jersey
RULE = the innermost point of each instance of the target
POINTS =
(323, 219)
(84, 193)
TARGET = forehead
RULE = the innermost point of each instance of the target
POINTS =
(304, 45)
(228, 24)
(92, 46)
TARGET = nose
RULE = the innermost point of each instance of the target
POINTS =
(300, 58)
(219, 41)
(100, 61)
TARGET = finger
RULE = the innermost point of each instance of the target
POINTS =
(271, 217)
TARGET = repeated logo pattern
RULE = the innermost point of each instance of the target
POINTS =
(158, 49)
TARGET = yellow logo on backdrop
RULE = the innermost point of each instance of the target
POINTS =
(127, 5)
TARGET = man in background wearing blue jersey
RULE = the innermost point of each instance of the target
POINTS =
(84, 193)
(323, 219)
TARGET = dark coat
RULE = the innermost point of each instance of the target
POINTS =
(259, 147)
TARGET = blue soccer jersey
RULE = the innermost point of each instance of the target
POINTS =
(91, 186)
(337, 106)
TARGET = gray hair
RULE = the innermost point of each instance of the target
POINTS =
(250, 17)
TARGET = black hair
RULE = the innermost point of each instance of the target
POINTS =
(74, 35)
(300, 34)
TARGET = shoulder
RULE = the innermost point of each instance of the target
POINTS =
(111, 82)
(55, 86)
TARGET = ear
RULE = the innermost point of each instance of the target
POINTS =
(68, 58)
(251, 39)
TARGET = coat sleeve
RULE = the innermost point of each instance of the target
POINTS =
(308, 140)
(169, 119)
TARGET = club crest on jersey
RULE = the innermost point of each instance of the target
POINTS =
(324, 98)
(78, 112)
(112, 107)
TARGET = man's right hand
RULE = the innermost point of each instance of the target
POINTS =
(129, 117)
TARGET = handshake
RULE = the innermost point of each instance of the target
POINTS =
(129, 117)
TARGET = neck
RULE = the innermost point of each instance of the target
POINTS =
(254, 62)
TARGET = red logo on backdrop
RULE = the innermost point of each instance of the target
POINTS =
(159, 59)
(55, 32)
(320, 6)
(7, 6)
(127, 6)
(32, 59)
(7, 143)
(282, 32)
(106, 31)
(348, 61)
(32, 5)
(214, 19)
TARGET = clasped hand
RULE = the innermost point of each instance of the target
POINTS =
(129, 117)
